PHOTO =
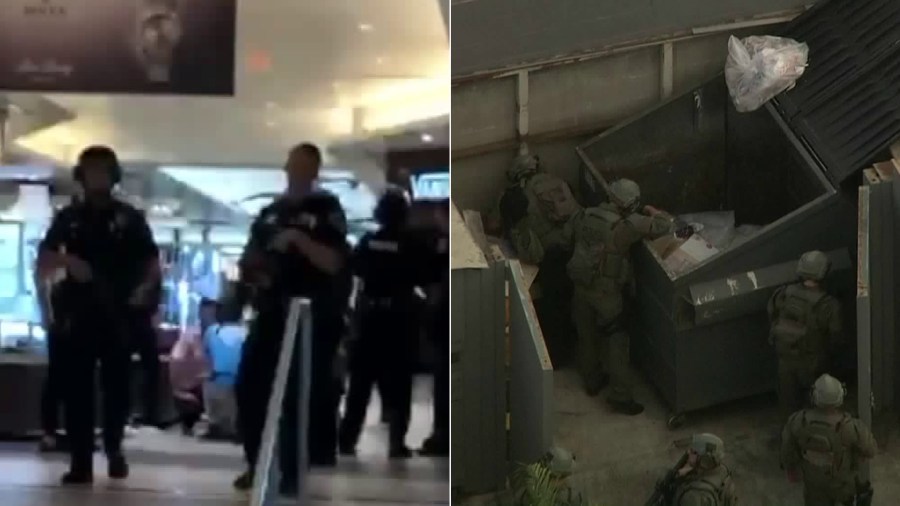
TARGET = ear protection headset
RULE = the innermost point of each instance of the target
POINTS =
(708, 459)
(98, 153)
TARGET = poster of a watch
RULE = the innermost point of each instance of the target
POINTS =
(158, 32)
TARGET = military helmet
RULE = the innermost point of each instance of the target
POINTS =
(828, 392)
(710, 448)
(625, 193)
(559, 461)
(813, 265)
(522, 166)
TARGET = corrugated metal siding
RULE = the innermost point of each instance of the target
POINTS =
(478, 396)
(847, 104)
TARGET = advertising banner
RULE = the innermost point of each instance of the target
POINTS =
(180, 47)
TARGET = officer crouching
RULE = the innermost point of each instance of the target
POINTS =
(385, 264)
(297, 248)
(699, 479)
(111, 262)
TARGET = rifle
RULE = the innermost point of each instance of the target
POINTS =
(665, 488)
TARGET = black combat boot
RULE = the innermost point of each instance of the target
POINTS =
(630, 408)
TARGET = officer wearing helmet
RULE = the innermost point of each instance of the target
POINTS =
(387, 266)
(805, 327)
(112, 267)
(826, 447)
(558, 464)
(536, 211)
(704, 480)
(600, 270)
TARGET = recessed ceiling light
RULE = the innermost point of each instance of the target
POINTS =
(366, 27)
(427, 138)
(379, 60)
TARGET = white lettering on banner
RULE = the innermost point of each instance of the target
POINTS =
(49, 67)
(431, 186)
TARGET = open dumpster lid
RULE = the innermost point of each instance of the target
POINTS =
(847, 104)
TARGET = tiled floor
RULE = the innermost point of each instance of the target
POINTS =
(169, 469)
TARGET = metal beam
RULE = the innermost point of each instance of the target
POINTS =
(628, 46)
(864, 320)
(522, 102)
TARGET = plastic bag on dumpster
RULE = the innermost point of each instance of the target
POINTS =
(760, 67)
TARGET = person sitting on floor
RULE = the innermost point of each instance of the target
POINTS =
(223, 343)
(188, 369)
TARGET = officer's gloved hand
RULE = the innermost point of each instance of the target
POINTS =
(683, 230)
(513, 207)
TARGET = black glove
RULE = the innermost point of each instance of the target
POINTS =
(513, 206)
(683, 230)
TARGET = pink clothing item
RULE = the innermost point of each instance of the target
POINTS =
(188, 365)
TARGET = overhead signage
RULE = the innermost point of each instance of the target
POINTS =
(180, 47)
(430, 185)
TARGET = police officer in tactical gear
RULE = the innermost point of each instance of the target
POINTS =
(704, 480)
(826, 447)
(438, 443)
(805, 327)
(112, 263)
(600, 270)
(385, 262)
(536, 212)
(297, 248)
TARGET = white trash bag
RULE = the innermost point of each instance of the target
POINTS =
(760, 67)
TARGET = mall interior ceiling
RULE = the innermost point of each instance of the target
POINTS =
(358, 78)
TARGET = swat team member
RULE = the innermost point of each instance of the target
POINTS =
(111, 261)
(827, 446)
(297, 248)
(535, 211)
(806, 325)
(386, 265)
(703, 479)
(600, 270)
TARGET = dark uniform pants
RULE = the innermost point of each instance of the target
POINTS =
(144, 341)
(52, 395)
(441, 333)
(90, 339)
(796, 376)
(255, 380)
(382, 356)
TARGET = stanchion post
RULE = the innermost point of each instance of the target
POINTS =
(305, 379)
(266, 468)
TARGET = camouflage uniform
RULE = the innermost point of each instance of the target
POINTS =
(709, 483)
(600, 270)
(806, 324)
(536, 212)
(827, 446)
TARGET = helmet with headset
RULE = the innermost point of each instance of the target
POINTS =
(710, 450)
(103, 154)
(828, 392)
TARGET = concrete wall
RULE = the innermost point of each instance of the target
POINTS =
(492, 34)
(566, 105)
